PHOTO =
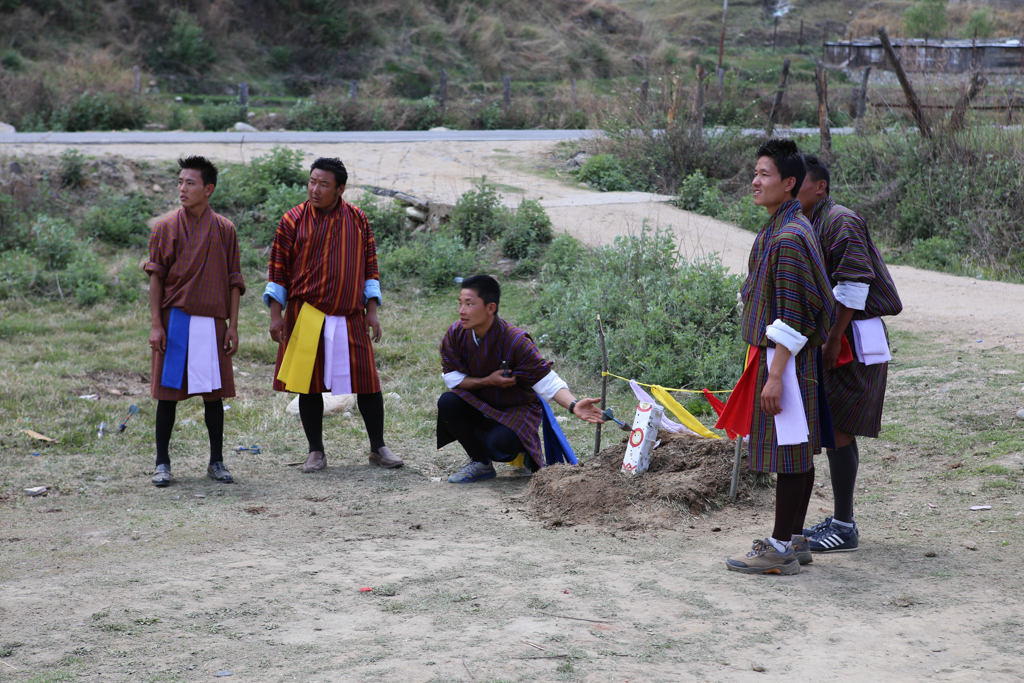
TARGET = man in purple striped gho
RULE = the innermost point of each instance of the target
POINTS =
(496, 379)
(864, 292)
(787, 310)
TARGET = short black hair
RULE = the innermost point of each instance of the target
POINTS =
(334, 165)
(206, 169)
(485, 286)
(818, 171)
(787, 158)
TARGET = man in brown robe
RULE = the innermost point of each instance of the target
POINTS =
(194, 287)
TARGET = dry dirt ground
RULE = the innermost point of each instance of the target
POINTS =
(125, 582)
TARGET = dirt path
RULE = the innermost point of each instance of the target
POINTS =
(118, 581)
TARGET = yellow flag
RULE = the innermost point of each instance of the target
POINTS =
(300, 355)
(689, 420)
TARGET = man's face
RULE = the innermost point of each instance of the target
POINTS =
(473, 312)
(811, 192)
(770, 190)
(191, 191)
(323, 189)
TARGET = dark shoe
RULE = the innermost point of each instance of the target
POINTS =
(219, 473)
(385, 458)
(162, 476)
(315, 462)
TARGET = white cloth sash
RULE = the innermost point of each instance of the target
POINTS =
(203, 364)
(337, 366)
(869, 341)
(791, 424)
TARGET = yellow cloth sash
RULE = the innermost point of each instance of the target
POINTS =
(300, 355)
(661, 394)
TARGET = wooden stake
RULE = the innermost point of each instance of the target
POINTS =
(604, 382)
(645, 87)
(137, 76)
(353, 89)
(507, 102)
(821, 87)
(734, 486)
(800, 40)
(698, 103)
(908, 89)
(720, 72)
(862, 101)
(775, 33)
(777, 104)
(572, 86)
(442, 95)
(969, 91)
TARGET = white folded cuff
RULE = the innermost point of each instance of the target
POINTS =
(550, 385)
(784, 335)
(453, 379)
(852, 294)
(371, 290)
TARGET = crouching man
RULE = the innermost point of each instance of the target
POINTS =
(497, 379)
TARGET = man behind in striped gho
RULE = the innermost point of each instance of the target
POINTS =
(864, 292)
(323, 275)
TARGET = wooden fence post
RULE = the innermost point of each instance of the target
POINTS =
(775, 33)
(243, 98)
(777, 104)
(443, 92)
(698, 101)
(507, 101)
(353, 90)
(720, 72)
(137, 86)
(862, 101)
(572, 86)
(673, 109)
(968, 92)
(821, 87)
(1010, 101)
(800, 40)
(908, 89)
(645, 87)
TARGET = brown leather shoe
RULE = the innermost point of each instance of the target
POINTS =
(315, 462)
(385, 458)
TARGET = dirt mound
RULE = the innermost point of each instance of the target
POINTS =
(687, 475)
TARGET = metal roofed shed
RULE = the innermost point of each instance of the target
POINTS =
(1004, 55)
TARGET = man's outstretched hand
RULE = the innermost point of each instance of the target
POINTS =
(587, 410)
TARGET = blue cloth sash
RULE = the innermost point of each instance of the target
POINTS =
(556, 446)
(177, 349)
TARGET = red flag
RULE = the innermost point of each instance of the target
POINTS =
(845, 352)
(736, 415)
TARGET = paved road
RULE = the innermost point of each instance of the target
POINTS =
(294, 137)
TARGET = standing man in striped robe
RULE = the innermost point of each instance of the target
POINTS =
(496, 379)
(864, 292)
(195, 281)
(323, 276)
(787, 309)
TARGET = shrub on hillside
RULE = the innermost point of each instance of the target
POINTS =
(104, 111)
(527, 232)
(666, 321)
(386, 218)
(604, 172)
(19, 272)
(119, 220)
(87, 278)
(54, 241)
(72, 168)
(220, 116)
(479, 214)
(436, 259)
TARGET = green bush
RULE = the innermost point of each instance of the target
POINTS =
(316, 115)
(936, 253)
(479, 215)
(926, 18)
(280, 57)
(667, 321)
(279, 201)
(220, 116)
(563, 257)
(386, 219)
(54, 241)
(186, 48)
(103, 111)
(527, 232)
(745, 213)
(246, 188)
(14, 232)
(12, 60)
(87, 278)
(119, 220)
(18, 273)
(436, 259)
(697, 194)
(979, 24)
(72, 168)
(604, 172)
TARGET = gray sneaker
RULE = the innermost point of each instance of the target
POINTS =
(473, 471)
(802, 548)
(763, 558)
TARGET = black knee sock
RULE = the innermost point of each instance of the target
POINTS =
(165, 411)
(792, 493)
(215, 426)
(843, 464)
(371, 407)
(311, 412)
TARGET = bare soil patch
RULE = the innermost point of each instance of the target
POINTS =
(687, 475)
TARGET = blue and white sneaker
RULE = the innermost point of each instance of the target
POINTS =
(473, 471)
(835, 539)
(820, 526)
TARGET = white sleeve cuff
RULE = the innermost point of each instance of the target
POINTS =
(453, 379)
(784, 335)
(852, 294)
(371, 290)
(550, 385)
